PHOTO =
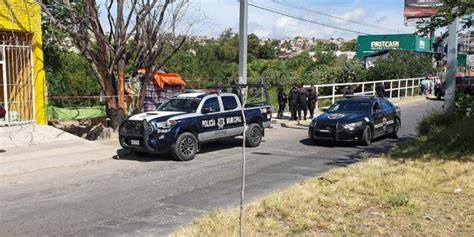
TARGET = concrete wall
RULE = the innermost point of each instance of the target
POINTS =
(25, 16)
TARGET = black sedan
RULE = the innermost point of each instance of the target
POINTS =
(356, 118)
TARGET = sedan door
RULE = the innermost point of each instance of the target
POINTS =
(389, 115)
(378, 119)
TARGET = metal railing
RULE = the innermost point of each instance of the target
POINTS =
(394, 88)
(17, 84)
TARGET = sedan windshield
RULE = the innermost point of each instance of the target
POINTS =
(350, 106)
(188, 105)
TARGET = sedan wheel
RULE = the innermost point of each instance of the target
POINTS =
(366, 138)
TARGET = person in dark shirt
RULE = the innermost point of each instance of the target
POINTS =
(312, 99)
(302, 103)
(348, 90)
(293, 99)
(380, 89)
(282, 99)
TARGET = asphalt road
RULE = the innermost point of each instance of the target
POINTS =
(152, 196)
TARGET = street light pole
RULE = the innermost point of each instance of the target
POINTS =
(243, 35)
(452, 64)
(243, 41)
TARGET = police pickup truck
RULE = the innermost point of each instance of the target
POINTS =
(356, 118)
(183, 123)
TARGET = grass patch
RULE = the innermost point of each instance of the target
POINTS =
(375, 197)
(425, 188)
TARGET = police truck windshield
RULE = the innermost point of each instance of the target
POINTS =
(350, 106)
(188, 105)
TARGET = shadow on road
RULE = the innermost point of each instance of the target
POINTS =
(126, 154)
(220, 145)
(379, 147)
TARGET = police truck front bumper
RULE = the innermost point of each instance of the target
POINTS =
(146, 139)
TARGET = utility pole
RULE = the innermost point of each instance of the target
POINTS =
(243, 35)
(452, 63)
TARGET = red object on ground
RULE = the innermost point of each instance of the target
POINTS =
(2, 112)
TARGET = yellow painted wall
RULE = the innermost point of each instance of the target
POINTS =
(25, 15)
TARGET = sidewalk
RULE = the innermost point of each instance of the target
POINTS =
(31, 147)
(31, 134)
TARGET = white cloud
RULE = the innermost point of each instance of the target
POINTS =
(353, 15)
(225, 13)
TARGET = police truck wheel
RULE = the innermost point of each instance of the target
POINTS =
(396, 129)
(253, 137)
(185, 147)
(366, 138)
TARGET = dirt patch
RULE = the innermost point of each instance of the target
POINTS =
(90, 129)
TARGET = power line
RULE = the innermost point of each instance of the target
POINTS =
(265, 8)
(332, 16)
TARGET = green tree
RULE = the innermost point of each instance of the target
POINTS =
(68, 74)
(445, 15)
(400, 65)
(349, 45)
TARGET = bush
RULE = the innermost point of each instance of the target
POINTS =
(464, 104)
(435, 121)
(448, 136)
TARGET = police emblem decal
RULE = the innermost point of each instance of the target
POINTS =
(220, 123)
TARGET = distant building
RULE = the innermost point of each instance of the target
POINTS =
(466, 42)
(22, 77)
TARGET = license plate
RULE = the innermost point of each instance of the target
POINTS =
(323, 130)
(135, 142)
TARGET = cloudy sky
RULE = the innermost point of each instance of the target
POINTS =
(387, 15)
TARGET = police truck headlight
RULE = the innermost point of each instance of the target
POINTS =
(352, 126)
(164, 127)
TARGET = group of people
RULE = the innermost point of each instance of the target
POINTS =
(300, 101)
(427, 85)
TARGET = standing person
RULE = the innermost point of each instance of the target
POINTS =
(437, 88)
(423, 86)
(348, 90)
(293, 99)
(430, 85)
(312, 99)
(380, 89)
(282, 99)
(302, 103)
